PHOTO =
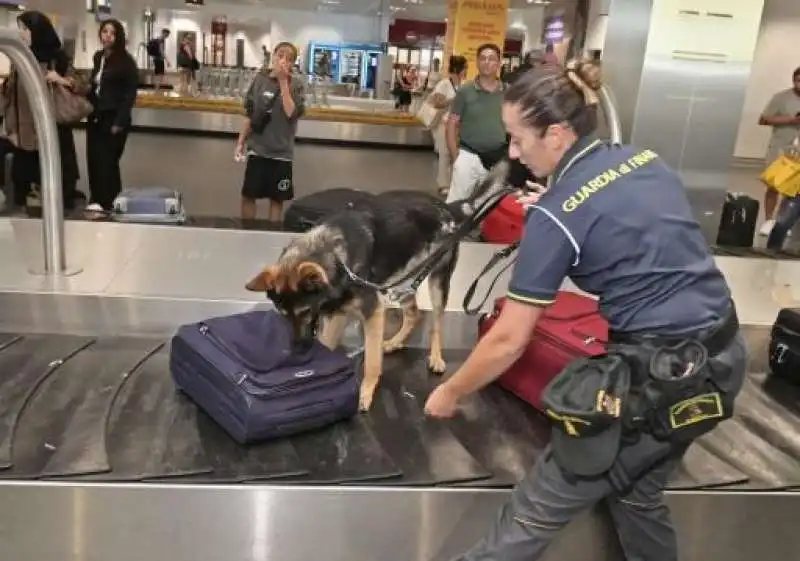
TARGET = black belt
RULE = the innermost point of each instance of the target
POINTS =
(715, 339)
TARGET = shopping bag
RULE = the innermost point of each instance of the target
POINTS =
(783, 175)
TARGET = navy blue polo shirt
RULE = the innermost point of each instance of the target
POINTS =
(617, 222)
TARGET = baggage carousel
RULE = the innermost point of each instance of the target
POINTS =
(103, 459)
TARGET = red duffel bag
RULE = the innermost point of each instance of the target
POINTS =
(570, 328)
(505, 223)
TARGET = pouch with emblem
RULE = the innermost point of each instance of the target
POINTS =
(586, 404)
(683, 400)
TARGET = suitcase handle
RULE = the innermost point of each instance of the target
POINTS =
(587, 338)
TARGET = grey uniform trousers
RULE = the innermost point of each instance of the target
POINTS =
(548, 498)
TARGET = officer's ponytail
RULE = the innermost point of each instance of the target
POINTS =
(551, 94)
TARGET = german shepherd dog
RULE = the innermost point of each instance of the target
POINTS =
(380, 241)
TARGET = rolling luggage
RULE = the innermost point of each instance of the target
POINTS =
(570, 328)
(784, 345)
(737, 225)
(244, 372)
(307, 212)
(505, 223)
(149, 205)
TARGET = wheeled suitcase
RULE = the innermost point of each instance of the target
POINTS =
(737, 224)
(308, 211)
(244, 371)
(505, 223)
(149, 205)
(784, 345)
(570, 328)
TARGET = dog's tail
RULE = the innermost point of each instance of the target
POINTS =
(490, 188)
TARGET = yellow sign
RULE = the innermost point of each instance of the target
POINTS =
(452, 12)
(478, 22)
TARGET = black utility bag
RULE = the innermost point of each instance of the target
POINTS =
(784, 346)
(308, 211)
(737, 225)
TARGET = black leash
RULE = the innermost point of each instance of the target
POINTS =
(498, 256)
(420, 273)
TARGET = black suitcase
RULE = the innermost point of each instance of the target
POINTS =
(308, 211)
(784, 345)
(737, 226)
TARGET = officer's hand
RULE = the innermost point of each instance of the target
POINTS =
(532, 196)
(442, 403)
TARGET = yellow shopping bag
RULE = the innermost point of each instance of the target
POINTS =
(783, 174)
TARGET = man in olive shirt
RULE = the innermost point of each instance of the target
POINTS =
(783, 115)
(476, 137)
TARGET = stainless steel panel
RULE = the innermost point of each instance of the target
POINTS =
(623, 56)
(161, 262)
(52, 522)
(307, 129)
(686, 110)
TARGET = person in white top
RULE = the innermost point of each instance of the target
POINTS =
(440, 99)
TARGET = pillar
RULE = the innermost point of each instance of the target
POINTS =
(679, 73)
(472, 23)
(384, 20)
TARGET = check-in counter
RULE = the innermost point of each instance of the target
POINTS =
(323, 124)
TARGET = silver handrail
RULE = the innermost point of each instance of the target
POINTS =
(30, 73)
(611, 114)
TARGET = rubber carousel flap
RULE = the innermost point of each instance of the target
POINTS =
(701, 469)
(152, 430)
(766, 466)
(61, 431)
(346, 452)
(504, 434)
(232, 462)
(424, 449)
(25, 363)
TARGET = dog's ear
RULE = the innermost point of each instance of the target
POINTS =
(308, 274)
(268, 279)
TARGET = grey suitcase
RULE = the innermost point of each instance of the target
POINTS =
(149, 205)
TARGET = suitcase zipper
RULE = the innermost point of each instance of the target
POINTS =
(263, 392)
(570, 349)
(243, 377)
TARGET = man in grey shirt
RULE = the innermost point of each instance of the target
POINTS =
(274, 103)
(783, 115)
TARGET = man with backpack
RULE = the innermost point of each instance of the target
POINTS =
(157, 51)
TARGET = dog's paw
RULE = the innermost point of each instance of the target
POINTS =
(391, 346)
(437, 365)
(365, 399)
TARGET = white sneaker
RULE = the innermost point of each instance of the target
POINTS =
(766, 228)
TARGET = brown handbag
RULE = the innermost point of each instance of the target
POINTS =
(70, 107)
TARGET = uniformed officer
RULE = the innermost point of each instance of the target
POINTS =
(616, 220)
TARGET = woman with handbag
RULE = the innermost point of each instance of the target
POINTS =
(38, 33)
(433, 115)
(114, 83)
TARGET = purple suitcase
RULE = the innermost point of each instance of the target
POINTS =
(242, 371)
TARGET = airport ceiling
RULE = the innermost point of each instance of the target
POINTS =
(423, 9)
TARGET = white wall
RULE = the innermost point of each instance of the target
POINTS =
(529, 21)
(777, 55)
(597, 25)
